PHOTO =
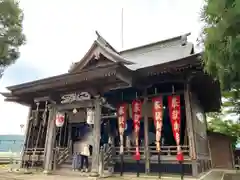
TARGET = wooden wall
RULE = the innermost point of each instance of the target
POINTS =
(199, 128)
(202, 162)
(221, 150)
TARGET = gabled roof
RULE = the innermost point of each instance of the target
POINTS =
(99, 46)
(159, 52)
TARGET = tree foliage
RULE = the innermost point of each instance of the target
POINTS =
(221, 38)
(227, 127)
(231, 103)
(11, 35)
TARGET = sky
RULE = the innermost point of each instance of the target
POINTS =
(60, 32)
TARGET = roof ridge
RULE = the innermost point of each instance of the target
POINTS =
(156, 42)
(103, 41)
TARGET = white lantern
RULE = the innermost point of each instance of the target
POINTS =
(90, 116)
(60, 119)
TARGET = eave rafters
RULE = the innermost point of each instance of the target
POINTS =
(113, 70)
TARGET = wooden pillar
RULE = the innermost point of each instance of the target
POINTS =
(96, 139)
(50, 138)
(190, 129)
(26, 134)
(146, 137)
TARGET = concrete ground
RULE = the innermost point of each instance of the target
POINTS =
(212, 175)
(232, 177)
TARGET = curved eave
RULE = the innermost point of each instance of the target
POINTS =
(94, 51)
(8, 97)
(70, 79)
(172, 66)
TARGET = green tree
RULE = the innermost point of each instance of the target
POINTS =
(227, 127)
(11, 35)
(221, 39)
(231, 103)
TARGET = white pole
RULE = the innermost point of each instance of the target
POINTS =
(122, 28)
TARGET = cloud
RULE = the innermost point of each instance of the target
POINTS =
(60, 32)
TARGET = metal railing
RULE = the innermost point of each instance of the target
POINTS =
(10, 150)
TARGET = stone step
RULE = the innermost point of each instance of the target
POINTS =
(65, 166)
(69, 172)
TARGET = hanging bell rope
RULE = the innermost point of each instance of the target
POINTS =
(44, 116)
(36, 114)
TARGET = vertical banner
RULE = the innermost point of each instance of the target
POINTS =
(122, 117)
(158, 117)
(136, 116)
(175, 117)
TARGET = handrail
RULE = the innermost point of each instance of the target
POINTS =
(106, 159)
(63, 153)
(167, 150)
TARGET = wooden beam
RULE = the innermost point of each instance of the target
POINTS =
(190, 130)
(96, 139)
(50, 138)
(146, 136)
(26, 134)
(80, 104)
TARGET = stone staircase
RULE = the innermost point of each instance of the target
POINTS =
(65, 168)
(106, 163)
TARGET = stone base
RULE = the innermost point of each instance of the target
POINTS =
(47, 172)
(93, 174)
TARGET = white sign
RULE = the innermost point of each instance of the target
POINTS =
(69, 98)
(90, 116)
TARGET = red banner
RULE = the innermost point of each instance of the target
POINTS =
(122, 117)
(136, 116)
(175, 117)
(157, 117)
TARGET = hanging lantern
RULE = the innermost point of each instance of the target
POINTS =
(90, 116)
(60, 119)
(75, 111)
(175, 117)
(122, 117)
(158, 118)
(136, 116)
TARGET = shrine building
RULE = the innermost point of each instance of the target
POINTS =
(142, 110)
